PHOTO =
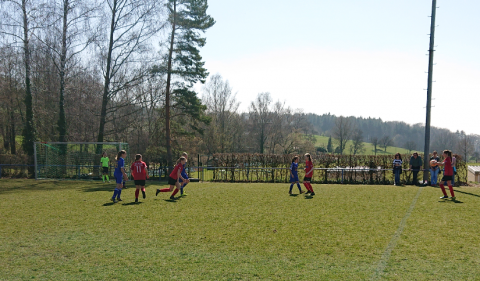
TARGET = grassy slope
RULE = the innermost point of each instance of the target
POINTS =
(369, 149)
(69, 231)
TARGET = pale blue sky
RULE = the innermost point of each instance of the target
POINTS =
(346, 57)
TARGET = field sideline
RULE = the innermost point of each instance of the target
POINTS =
(67, 230)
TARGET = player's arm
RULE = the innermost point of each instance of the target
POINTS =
(146, 172)
(124, 173)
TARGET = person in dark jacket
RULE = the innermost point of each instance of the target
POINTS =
(415, 166)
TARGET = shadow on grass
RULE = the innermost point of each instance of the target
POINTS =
(451, 201)
(467, 193)
(109, 204)
(294, 195)
(132, 203)
(308, 197)
(171, 200)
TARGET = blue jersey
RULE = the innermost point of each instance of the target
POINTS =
(294, 168)
(120, 165)
(184, 172)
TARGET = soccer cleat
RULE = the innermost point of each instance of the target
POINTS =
(172, 197)
(136, 200)
(444, 197)
(118, 199)
(454, 198)
(184, 194)
(144, 195)
(308, 192)
(158, 191)
(290, 192)
(301, 191)
(313, 193)
(113, 200)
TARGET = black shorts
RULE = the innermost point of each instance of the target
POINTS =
(105, 170)
(447, 178)
(307, 179)
(171, 181)
(140, 182)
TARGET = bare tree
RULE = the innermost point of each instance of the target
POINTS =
(358, 145)
(222, 105)
(410, 145)
(465, 145)
(342, 132)
(17, 25)
(386, 141)
(132, 24)
(375, 142)
(260, 116)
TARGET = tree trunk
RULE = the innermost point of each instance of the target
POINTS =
(167, 91)
(62, 126)
(105, 98)
(29, 133)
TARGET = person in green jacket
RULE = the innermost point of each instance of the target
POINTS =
(105, 162)
(415, 166)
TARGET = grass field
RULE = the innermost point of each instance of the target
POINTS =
(322, 141)
(68, 230)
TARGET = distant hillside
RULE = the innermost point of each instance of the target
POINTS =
(322, 141)
(400, 132)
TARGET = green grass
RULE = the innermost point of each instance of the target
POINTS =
(322, 141)
(68, 230)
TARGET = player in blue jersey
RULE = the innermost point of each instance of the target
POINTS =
(185, 176)
(120, 175)
(294, 175)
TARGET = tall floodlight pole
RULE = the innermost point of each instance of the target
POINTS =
(431, 51)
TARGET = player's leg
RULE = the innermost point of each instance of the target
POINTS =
(305, 183)
(177, 189)
(137, 192)
(171, 182)
(118, 188)
(291, 186)
(143, 192)
(299, 187)
(442, 186)
(450, 186)
(311, 188)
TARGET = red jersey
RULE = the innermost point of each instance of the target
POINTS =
(448, 167)
(138, 170)
(308, 169)
(178, 167)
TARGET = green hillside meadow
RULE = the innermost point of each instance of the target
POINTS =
(322, 141)
(67, 230)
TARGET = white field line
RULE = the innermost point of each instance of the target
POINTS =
(393, 242)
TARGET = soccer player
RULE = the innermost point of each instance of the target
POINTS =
(308, 174)
(105, 162)
(447, 175)
(119, 174)
(173, 179)
(185, 176)
(294, 175)
(140, 174)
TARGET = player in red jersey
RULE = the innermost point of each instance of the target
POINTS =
(447, 174)
(173, 179)
(308, 174)
(140, 174)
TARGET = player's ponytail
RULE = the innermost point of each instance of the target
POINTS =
(120, 153)
(294, 158)
(138, 157)
(309, 156)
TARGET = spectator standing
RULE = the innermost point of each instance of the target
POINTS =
(415, 165)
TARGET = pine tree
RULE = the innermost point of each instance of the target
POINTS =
(329, 145)
(188, 18)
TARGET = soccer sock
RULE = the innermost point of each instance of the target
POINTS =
(443, 190)
(291, 187)
(181, 189)
(119, 193)
(137, 191)
(115, 193)
(143, 189)
(108, 179)
(451, 190)
(306, 186)
(124, 184)
(311, 187)
(175, 192)
(165, 190)
(299, 187)
(103, 177)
